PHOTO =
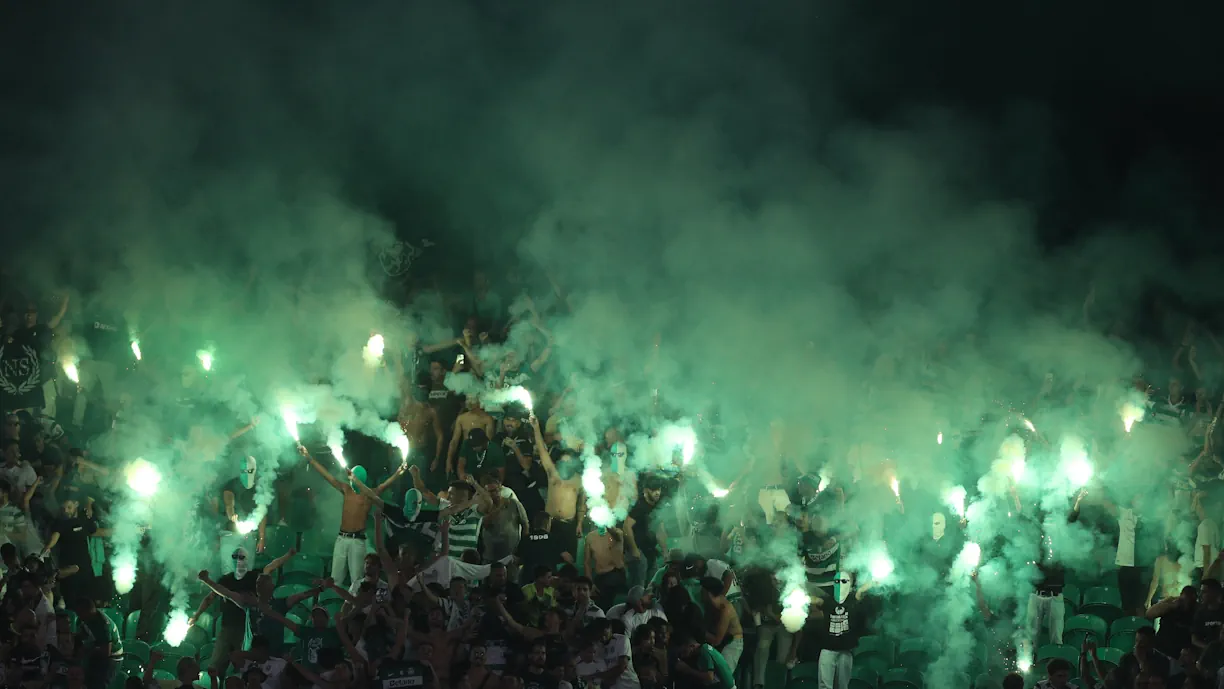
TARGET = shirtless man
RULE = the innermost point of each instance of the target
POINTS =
(605, 560)
(564, 507)
(348, 556)
(474, 417)
(418, 420)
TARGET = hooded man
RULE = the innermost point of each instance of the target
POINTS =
(844, 621)
(348, 556)
(238, 499)
(235, 589)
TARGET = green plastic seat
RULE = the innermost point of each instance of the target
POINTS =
(1110, 657)
(916, 653)
(1080, 627)
(1073, 595)
(1123, 640)
(803, 683)
(873, 645)
(1050, 651)
(306, 563)
(864, 678)
(902, 678)
(286, 590)
(130, 625)
(278, 540)
(116, 616)
(137, 649)
(183, 649)
(329, 594)
(298, 577)
(1129, 624)
(206, 651)
(132, 663)
(775, 675)
(197, 636)
(160, 674)
(1102, 601)
(803, 670)
(332, 606)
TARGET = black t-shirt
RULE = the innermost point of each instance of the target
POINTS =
(404, 674)
(74, 533)
(32, 662)
(527, 485)
(106, 335)
(446, 403)
(1174, 633)
(234, 616)
(244, 498)
(642, 512)
(40, 337)
(491, 626)
(843, 624)
(1207, 623)
(542, 680)
(270, 628)
(540, 548)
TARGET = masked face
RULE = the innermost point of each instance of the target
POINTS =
(248, 473)
(359, 473)
(241, 564)
(620, 455)
(842, 585)
(939, 524)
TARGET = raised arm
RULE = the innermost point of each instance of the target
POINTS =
(284, 621)
(280, 561)
(391, 479)
(325, 474)
(365, 490)
(236, 598)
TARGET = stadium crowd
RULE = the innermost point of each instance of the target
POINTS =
(483, 561)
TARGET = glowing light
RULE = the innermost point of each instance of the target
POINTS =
(954, 498)
(970, 556)
(206, 359)
(881, 566)
(124, 576)
(1030, 425)
(70, 369)
(1075, 462)
(592, 480)
(719, 492)
(1132, 409)
(177, 628)
(136, 349)
(335, 443)
(896, 486)
(682, 438)
(939, 439)
(246, 526)
(521, 395)
(374, 348)
(143, 478)
(1024, 665)
(824, 482)
(1018, 469)
(602, 515)
(395, 438)
(795, 605)
(291, 422)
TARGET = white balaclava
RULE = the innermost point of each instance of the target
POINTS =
(843, 583)
(620, 457)
(242, 564)
(939, 524)
(248, 473)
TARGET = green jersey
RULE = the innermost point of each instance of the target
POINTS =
(710, 659)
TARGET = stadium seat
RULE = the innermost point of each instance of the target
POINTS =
(803, 683)
(205, 653)
(116, 616)
(864, 678)
(121, 679)
(1050, 651)
(1122, 640)
(197, 636)
(130, 626)
(916, 653)
(775, 675)
(136, 649)
(277, 541)
(286, 590)
(874, 646)
(1077, 628)
(332, 606)
(987, 681)
(207, 622)
(329, 594)
(305, 563)
(160, 674)
(170, 662)
(72, 618)
(1129, 624)
(302, 578)
(1103, 601)
(1072, 595)
(902, 678)
(804, 670)
(318, 545)
(1110, 657)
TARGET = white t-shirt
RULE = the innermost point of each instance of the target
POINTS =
(1209, 537)
(20, 477)
(632, 618)
(1127, 521)
(587, 669)
(380, 587)
(272, 668)
(718, 569)
(617, 648)
(446, 568)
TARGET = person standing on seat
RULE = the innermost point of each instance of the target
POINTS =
(843, 622)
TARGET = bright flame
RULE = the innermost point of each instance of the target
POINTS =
(896, 486)
(939, 438)
(682, 438)
(335, 443)
(374, 348)
(143, 478)
(206, 359)
(177, 628)
(291, 422)
(719, 492)
(124, 576)
(881, 566)
(970, 556)
(602, 515)
(246, 526)
(1132, 409)
(395, 437)
(521, 395)
(824, 482)
(592, 480)
(1024, 665)
(1030, 425)
(1075, 462)
(795, 608)
(136, 349)
(70, 369)
(954, 498)
(1018, 469)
